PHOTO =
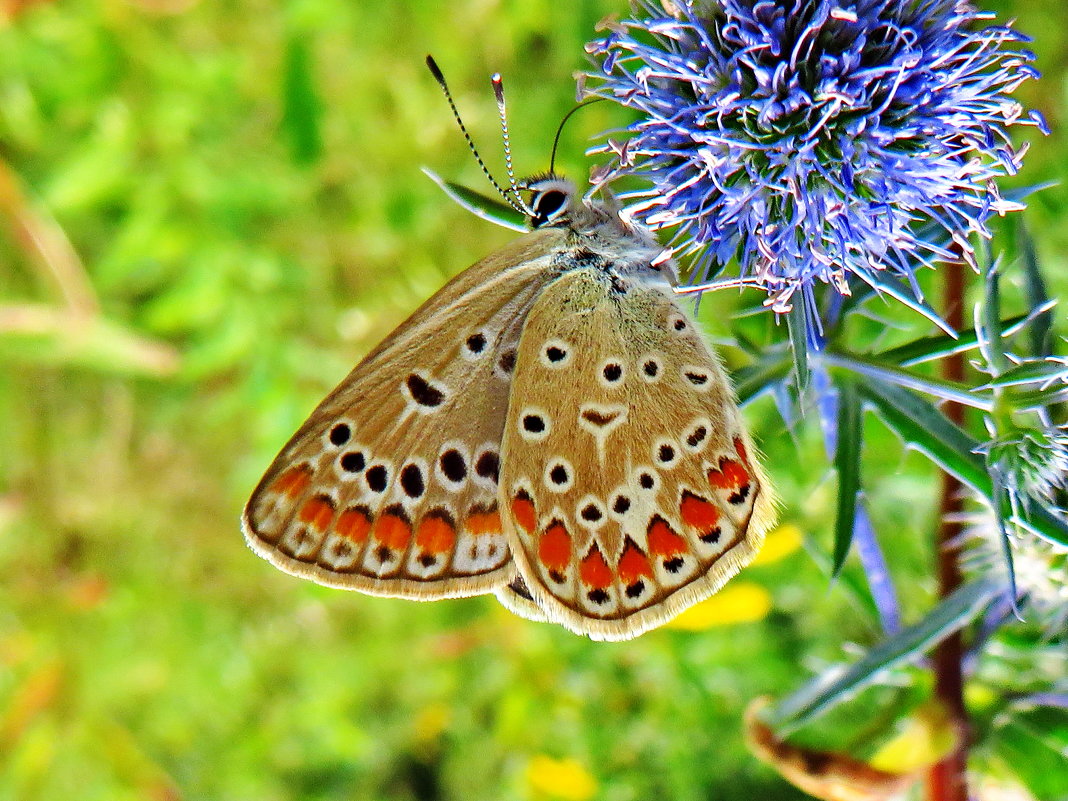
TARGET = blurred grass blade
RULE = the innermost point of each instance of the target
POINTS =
(831, 689)
(1041, 333)
(880, 581)
(301, 108)
(481, 206)
(992, 343)
(797, 325)
(40, 334)
(847, 463)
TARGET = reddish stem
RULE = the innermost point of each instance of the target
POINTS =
(947, 780)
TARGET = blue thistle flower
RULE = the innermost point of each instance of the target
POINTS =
(815, 140)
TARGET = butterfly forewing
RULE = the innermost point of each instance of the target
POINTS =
(630, 484)
(390, 487)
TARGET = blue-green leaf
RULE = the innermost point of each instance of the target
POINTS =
(939, 387)
(922, 426)
(941, 345)
(835, 687)
(755, 379)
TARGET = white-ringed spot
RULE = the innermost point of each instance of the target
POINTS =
(590, 513)
(620, 502)
(555, 353)
(476, 344)
(699, 379)
(352, 460)
(611, 372)
(677, 322)
(487, 465)
(559, 475)
(339, 434)
(665, 454)
(652, 368)
(413, 477)
(451, 467)
(533, 424)
(646, 480)
(378, 477)
(696, 437)
(426, 394)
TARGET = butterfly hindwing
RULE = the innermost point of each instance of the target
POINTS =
(390, 487)
(630, 484)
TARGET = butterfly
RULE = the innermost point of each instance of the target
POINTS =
(550, 426)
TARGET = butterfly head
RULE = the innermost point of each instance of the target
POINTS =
(552, 201)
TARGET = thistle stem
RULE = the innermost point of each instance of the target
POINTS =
(947, 780)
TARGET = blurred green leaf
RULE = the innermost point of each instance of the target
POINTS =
(847, 464)
(1033, 744)
(301, 108)
(1040, 335)
(755, 379)
(797, 324)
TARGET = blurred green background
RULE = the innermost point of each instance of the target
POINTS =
(210, 212)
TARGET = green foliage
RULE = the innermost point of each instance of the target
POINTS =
(213, 211)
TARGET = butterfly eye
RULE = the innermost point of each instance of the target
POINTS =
(549, 206)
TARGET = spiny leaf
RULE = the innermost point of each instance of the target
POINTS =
(831, 689)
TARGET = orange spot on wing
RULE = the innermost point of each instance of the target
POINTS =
(662, 540)
(523, 512)
(554, 548)
(435, 535)
(730, 475)
(353, 525)
(317, 512)
(633, 565)
(293, 481)
(739, 446)
(484, 522)
(594, 570)
(698, 512)
(393, 531)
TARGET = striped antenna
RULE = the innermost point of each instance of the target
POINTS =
(498, 92)
(440, 78)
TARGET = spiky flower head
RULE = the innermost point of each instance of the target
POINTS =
(1031, 463)
(1039, 568)
(815, 140)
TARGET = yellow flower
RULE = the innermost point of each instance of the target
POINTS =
(925, 738)
(565, 779)
(740, 602)
(779, 544)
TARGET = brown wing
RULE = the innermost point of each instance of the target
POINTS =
(632, 487)
(390, 487)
